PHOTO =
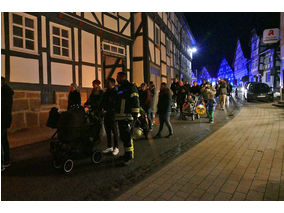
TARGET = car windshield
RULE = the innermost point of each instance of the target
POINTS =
(259, 88)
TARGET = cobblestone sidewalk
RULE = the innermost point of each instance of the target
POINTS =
(241, 161)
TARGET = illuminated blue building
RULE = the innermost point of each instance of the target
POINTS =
(203, 75)
(240, 65)
(225, 71)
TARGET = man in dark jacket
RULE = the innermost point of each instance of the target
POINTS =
(175, 89)
(195, 89)
(108, 106)
(222, 91)
(74, 97)
(164, 109)
(6, 119)
(187, 87)
(126, 110)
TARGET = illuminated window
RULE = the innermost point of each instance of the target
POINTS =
(60, 41)
(157, 35)
(23, 32)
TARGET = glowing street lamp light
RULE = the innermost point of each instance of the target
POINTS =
(194, 50)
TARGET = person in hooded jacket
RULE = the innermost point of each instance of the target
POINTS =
(74, 97)
(95, 101)
(6, 120)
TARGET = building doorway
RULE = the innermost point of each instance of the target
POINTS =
(112, 65)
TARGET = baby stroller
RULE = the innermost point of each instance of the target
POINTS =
(141, 125)
(75, 138)
(189, 107)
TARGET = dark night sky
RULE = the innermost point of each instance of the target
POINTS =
(217, 34)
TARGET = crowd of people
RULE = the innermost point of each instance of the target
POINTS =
(118, 106)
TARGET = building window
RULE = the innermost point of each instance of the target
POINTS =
(23, 33)
(60, 41)
(157, 35)
(112, 48)
(268, 77)
(168, 46)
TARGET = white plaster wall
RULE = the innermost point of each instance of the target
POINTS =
(128, 57)
(124, 14)
(151, 47)
(44, 67)
(138, 47)
(90, 17)
(88, 47)
(99, 16)
(121, 24)
(61, 74)
(164, 69)
(99, 49)
(110, 22)
(77, 74)
(163, 38)
(43, 30)
(158, 60)
(138, 74)
(127, 31)
(24, 70)
(163, 53)
(2, 65)
(165, 18)
(2, 31)
(150, 28)
(137, 20)
(76, 44)
(88, 75)
(100, 76)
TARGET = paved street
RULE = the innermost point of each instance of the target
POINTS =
(241, 161)
(32, 177)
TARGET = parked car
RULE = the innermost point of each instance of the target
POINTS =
(258, 91)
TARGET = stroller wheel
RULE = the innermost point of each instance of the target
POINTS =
(96, 157)
(56, 164)
(68, 165)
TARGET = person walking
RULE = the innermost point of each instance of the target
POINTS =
(95, 101)
(181, 98)
(146, 101)
(108, 106)
(222, 92)
(74, 97)
(152, 89)
(208, 93)
(6, 120)
(164, 109)
(126, 111)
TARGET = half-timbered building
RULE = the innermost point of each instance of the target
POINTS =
(162, 47)
(240, 64)
(43, 53)
(225, 71)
